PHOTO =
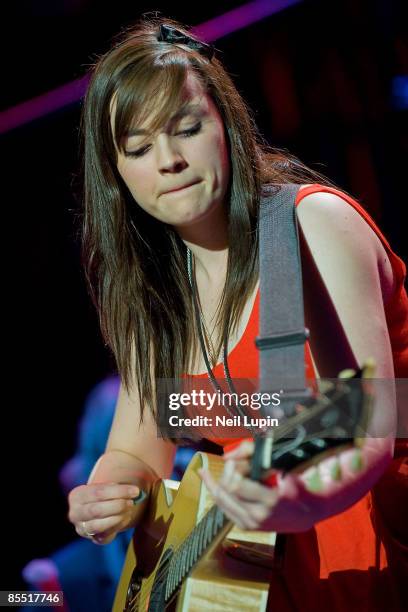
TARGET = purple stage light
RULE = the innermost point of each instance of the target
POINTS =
(240, 17)
(42, 105)
(67, 94)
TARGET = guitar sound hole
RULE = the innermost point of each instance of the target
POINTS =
(157, 602)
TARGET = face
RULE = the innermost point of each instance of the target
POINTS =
(181, 173)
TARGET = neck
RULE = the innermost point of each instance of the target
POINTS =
(207, 238)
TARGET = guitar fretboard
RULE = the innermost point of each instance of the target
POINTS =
(333, 418)
(193, 547)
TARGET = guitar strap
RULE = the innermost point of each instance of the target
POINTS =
(282, 332)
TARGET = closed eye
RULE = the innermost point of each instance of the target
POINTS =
(191, 131)
(138, 152)
(185, 133)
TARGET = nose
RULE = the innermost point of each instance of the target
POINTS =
(169, 156)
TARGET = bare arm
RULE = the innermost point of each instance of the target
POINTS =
(347, 258)
(127, 435)
(344, 265)
(135, 456)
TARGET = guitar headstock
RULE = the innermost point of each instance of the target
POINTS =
(334, 417)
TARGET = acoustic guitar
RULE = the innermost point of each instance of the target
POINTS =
(180, 557)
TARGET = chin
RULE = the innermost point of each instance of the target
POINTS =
(189, 219)
(187, 214)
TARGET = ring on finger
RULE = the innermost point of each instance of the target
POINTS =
(86, 533)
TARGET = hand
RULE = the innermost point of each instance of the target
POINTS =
(100, 511)
(245, 502)
(295, 504)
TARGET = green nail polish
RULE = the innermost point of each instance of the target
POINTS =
(335, 471)
(357, 461)
(314, 482)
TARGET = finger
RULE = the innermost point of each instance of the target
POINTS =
(231, 478)
(351, 462)
(243, 466)
(102, 492)
(82, 530)
(248, 514)
(252, 491)
(244, 450)
(313, 480)
(104, 538)
(331, 472)
(97, 527)
(235, 482)
(103, 509)
(228, 503)
(82, 511)
(227, 473)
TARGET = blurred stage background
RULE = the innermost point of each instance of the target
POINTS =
(327, 81)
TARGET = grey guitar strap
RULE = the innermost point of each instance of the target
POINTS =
(282, 332)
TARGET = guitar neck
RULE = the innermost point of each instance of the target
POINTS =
(206, 535)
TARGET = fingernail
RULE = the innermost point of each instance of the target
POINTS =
(356, 463)
(314, 482)
(133, 491)
(335, 470)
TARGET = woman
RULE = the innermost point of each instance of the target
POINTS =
(173, 169)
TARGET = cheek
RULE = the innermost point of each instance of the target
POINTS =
(215, 152)
(137, 180)
(223, 156)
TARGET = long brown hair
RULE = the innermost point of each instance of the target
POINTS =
(135, 265)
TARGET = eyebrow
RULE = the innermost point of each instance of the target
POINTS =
(190, 110)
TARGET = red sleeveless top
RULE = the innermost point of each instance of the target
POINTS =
(343, 563)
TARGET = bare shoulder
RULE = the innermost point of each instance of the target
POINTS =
(347, 254)
(330, 222)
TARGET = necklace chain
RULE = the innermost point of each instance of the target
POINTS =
(200, 325)
(206, 332)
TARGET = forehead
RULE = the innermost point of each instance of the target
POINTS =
(145, 115)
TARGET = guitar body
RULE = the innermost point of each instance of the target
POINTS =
(218, 581)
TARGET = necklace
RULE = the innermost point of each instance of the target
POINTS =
(200, 324)
(213, 358)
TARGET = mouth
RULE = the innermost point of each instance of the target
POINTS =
(180, 189)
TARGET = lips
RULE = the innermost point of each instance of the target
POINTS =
(174, 189)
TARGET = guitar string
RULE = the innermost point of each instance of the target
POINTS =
(152, 578)
(204, 333)
(162, 572)
(298, 419)
(134, 602)
(303, 416)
